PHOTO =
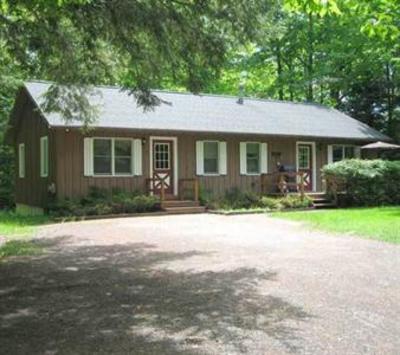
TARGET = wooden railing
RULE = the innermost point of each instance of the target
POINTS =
(195, 188)
(284, 182)
(182, 182)
(150, 188)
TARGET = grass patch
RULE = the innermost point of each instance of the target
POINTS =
(12, 224)
(380, 223)
(239, 211)
(19, 248)
(17, 230)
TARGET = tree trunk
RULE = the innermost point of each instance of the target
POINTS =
(279, 69)
(310, 58)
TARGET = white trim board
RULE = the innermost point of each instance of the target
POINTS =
(175, 160)
(314, 162)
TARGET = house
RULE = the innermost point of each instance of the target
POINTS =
(217, 141)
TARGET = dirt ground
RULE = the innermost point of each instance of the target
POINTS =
(200, 284)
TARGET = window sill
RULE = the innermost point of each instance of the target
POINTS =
(113, 176)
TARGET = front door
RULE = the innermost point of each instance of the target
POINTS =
(163, 166)
(304, 164)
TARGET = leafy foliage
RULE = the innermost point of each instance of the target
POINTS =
(104, 202)
(138, 44)
(367, 182)
(235, 199)
(325, 52)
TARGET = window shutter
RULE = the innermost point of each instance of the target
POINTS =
(44, 156)
(88, 156)
(137, 157)
(21, 160)
(200, 158)
(357, 152)
(330, 154)
(243, 159)
(222, 168)
(264, 158)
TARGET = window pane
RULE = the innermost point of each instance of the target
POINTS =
(102, 156)
(304, 157)
(349, 152)
(162, 158)
(123, 165)
(102, 147)
(211, 157)
(253, 158)
(102, 165)
(337, 154)
(123, 148)
(123, 156)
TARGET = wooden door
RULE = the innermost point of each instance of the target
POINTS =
(163, 166)
(304, 164)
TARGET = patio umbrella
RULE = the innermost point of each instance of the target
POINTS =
(380, 145)
(381, 150)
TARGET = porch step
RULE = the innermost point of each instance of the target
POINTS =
(180, 203)
(321, 200)
(185, 210)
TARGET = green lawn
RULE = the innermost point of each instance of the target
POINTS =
(381, 223)
(17, 231)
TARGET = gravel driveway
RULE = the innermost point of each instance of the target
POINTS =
(200, 284)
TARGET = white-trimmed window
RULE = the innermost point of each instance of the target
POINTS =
(338, 152)
(211, 158)
(21, 160)
(253, 158)
(112, 157)
(44, 156)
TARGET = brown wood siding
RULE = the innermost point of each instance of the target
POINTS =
(70, 178)
(32, 189)
(71, 181)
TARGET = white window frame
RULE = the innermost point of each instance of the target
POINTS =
(314, 161)
(113, 174)
(218, 157)
(44, 156)
(174, 161)
(343, 146)
(21, 160)
(261, 168)
(259, 159)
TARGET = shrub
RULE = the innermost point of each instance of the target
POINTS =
(366, 182)
(287, 202)
(270, 203)
(102, 202)
(235, 199)
(296, 202)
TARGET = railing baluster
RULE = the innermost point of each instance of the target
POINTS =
(196, 190)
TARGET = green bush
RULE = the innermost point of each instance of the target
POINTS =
(270, 203)
(235, 199)
(366, 182)
(287, 202)
(102, 202)
(295, 202)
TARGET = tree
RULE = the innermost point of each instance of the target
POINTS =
(135, 43)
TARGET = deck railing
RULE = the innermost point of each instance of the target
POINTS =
(194, 187)
(284, 182)
(181, 187)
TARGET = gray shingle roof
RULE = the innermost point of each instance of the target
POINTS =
(222, 114)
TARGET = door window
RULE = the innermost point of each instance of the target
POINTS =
(162, 156)
(304, 157)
